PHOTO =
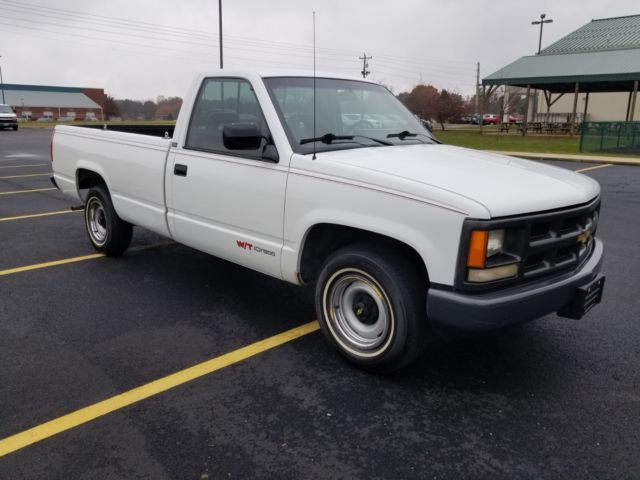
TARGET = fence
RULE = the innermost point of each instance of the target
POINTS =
(618, 137)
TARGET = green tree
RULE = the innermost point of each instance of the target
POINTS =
(110, 107)
(149, 109)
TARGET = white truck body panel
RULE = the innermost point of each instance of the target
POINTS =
(314, 198)
(225, 200)
(484, 185)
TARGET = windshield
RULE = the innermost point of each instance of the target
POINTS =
(5, 109)
(349, 114)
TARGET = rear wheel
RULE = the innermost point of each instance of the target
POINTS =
(370, 303)
(108, 233)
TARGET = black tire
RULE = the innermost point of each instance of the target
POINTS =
(15, 128)
(107, 232)
(371, 305)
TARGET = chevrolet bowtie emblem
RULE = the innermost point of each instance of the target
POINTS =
(584, 237)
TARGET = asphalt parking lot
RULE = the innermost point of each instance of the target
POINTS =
(552, 399)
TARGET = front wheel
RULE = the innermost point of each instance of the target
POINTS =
(370, 302)
(108, 233)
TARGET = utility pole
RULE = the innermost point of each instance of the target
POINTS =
(220, 29)
(477, 87)
(541, 23)
(365, 65)
(2, 83)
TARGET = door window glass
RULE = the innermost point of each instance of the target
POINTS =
(222, 102)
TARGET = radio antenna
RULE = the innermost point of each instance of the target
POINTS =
(314, 85)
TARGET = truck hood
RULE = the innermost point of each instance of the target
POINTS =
(454, 176)
(8, 115)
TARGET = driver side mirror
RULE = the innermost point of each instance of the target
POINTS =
(246, 136)
(241, 136)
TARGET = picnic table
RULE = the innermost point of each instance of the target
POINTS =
(531, 126)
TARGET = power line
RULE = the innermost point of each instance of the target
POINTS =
(124, 32)
(159, 29)
(365, 58)
(201, 56)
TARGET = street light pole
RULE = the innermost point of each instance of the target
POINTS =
(220, 29)
(541, 23)
(2, 82)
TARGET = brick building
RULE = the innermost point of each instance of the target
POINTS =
(34, 102)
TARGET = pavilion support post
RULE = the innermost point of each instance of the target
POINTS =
(532, 105)
(626, 117)
(633, 102)
(575, 107)
(526, 112)
(586, 106)
(547, 99)
(483, 93)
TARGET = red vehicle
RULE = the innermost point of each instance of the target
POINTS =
(490, 119)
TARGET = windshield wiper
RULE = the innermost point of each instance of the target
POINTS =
(329, 138)
(407, 134)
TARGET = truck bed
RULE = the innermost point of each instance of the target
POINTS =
(165, 131)
(121, 159)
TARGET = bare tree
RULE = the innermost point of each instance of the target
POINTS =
(428, 103)
(450, 106)
(168, 108)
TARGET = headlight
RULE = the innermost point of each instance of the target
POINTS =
(485, 245)
(592, 223)
(477, 275)
(495, 242)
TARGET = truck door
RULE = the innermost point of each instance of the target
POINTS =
(228, 202)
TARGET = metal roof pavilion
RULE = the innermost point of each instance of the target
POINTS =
(601, 56)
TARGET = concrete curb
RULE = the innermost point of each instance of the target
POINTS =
(573, 158)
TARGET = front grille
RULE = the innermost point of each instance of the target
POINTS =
(544, 243)
(558, 241)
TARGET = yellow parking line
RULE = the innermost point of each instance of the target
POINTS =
(594, 168)
(37, 266)
(28, 191)
(25, 176)
(36, 215)
(25, 166)
(91, 412)
(65, 261)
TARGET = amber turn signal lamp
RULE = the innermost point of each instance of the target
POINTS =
(477, 249)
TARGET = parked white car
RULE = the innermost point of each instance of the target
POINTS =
(394, 230)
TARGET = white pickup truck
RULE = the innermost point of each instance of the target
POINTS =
(332, 182)
(8, 118)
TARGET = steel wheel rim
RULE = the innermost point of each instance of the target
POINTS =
(358, 312)
(96, 221)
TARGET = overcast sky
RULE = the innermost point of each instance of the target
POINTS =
(145, 48)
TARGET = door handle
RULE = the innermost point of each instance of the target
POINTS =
(180, 170)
